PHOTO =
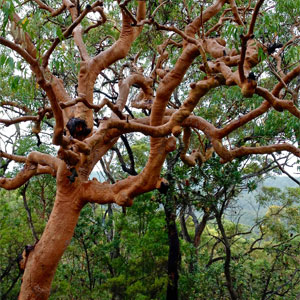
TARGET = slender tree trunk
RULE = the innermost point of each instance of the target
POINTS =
(88, 265)
(184, 230)
(229, 280)
(199, 230)
(29, 217)
(174, 251)
(42, 261)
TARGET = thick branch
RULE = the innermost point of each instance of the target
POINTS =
(210, 12)
(44, 160)
(123, 192)
(121, 47)
(235, 12)
(16, 158)
(21, 178)
(278, 104)
(19, 120)
(17, 105)
(235, 124)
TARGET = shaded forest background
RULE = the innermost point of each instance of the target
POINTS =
(117, 255)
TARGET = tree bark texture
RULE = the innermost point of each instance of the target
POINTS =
(42, 261)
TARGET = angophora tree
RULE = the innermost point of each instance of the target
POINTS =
(218, 40)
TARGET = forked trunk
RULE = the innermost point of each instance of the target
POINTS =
(42, 261)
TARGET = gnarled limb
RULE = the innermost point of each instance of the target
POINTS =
(24, 108)
(16, 158)
(170, 82)
(288, 78)
(18, 49)
(29, 56)
(58, 138)
(21, 178)
(248, 37)
(198, 90)
(35, 164)
(44, 160)
(229, 155)
(125, 84)
(195, 156)
(210, 12)
(278, 104)
(121, 47)
(28, 51)
(265, 150)
(264, 107)
(62, 97)
(24, 175)
(123, 192)
(233, 125)
(95, 107)
(98, 23)
(36, 119)
(90, 69)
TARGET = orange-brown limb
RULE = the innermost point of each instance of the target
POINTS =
(24, 175)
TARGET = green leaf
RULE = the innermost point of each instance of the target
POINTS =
(2, 59)
(15, 83)
(10, 62)
(59, 33)
(261, 54)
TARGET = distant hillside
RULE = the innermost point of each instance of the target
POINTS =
(281, 182)
(247, 202)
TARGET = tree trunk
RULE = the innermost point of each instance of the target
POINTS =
(42, 261)
(174, 251)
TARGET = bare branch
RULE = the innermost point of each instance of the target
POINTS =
(284, 171)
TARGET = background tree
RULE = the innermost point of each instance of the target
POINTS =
(224, 73)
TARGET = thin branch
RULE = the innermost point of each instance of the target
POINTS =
(19, 50)
(95, 107)
(130, 154)
(67, 32)
(284, 171)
